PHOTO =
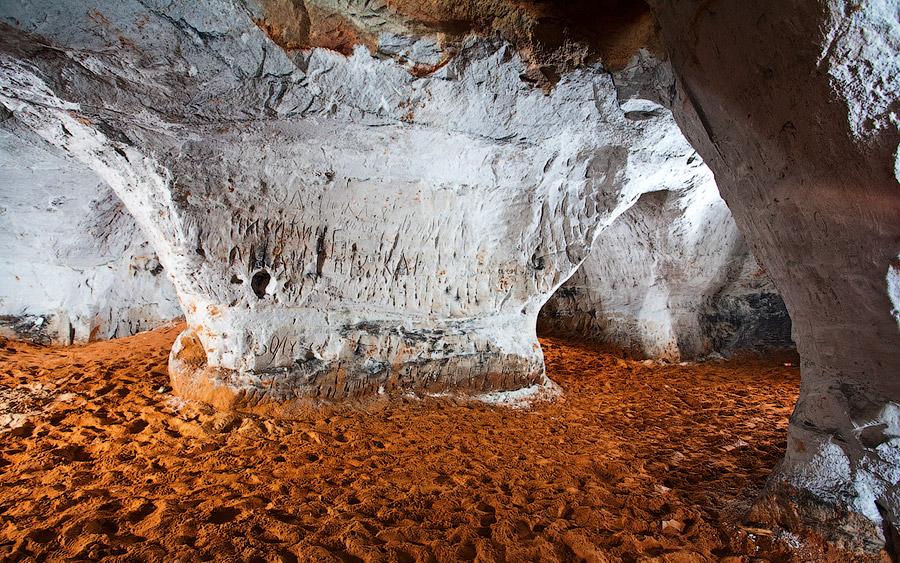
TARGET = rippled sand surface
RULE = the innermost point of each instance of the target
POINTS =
(635, 462)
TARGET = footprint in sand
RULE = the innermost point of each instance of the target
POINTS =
(222, 515)
(141, 512)
(42, 535)
(72, 453)
(466, 552)
(137, 426)
(104, 390)
(103, 526)
(282, 516)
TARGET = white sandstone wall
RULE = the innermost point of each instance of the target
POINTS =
(74, 266)
(671, 279)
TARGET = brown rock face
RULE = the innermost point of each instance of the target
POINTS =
(793, 106)
(293, 25)
(559, 33)
(554, 37)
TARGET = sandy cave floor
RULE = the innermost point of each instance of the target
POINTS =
(99, 460)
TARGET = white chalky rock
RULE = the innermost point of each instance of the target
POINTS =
(334, 224)
(75, 265)
(671, 278)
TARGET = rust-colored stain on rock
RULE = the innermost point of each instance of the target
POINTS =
(294, 25)
(553, 37)
(192, 351)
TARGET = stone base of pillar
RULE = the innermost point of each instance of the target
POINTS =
(472, 364)
(840, 488)
(828, 529)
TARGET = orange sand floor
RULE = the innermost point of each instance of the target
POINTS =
(99, 460)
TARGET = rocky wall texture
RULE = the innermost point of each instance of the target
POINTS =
(551, 37)
(793, 105)
(75, 265)
(354, 198)
(672, 279)
(336, 225)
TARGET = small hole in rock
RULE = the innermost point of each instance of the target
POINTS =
(260, 282)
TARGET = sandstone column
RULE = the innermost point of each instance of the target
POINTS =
(793, 105)
(337, 225)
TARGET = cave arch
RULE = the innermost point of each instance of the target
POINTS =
(672, 279)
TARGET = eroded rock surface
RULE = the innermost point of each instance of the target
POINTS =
(552, 37)
(75, 265)
(793, 105)
(391, 215)
(671, 279)
(335, 226)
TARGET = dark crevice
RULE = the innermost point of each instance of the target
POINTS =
(260, 282)
(321, 253)
(891, 533)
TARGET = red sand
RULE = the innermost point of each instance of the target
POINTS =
(635, 462)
